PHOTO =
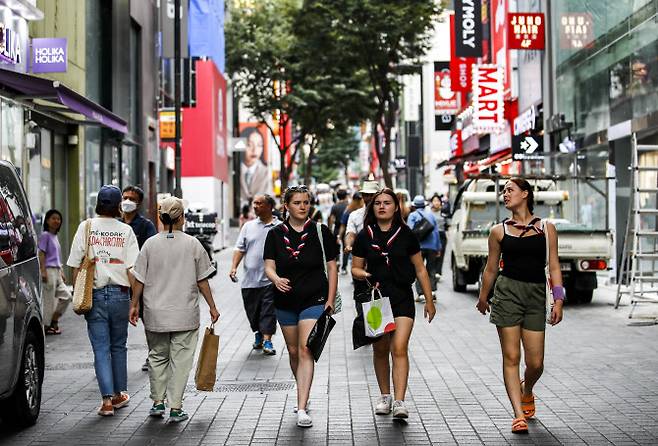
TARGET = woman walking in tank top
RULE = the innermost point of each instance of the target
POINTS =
(518, 306)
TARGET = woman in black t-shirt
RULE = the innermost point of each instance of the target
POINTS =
(387, 254)
(295, 265)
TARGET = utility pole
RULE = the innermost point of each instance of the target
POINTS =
(178, 190)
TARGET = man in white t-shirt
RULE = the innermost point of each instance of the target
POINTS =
(355, 220)
(114, 248)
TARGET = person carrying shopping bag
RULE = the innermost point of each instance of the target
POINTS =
(387, 254)
(113, 247)
(56, 295)
(295, 264)
(170, 272)
(519, 303)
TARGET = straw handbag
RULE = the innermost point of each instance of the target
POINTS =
(84, 282)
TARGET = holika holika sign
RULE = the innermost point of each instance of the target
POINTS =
(488, 104)
(10, 45)
(468, 28)
(49, 55)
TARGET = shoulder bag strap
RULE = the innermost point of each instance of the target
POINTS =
(87, 234)
(318, 227)
(545, 230)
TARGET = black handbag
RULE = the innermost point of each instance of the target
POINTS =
(423, 228)
(320, 333)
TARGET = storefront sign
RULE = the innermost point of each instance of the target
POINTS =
(525, 121)
(576, 30)
(460, 67)
(500, 54)
(525, 31)
(527, 147)
(443, 122)
(446, 101)
(168, 124)
(10, 45)
(468, 28)
(456, 144)
(488, 104)
(501, 140)
(49, 55)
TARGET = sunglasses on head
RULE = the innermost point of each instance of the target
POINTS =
(300, 188)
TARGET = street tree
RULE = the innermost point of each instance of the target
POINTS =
(386, 39)
(259, 38)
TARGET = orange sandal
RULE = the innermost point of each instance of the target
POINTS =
(527, 404)
(519, 426)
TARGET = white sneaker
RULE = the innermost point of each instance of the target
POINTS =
(308, 406)
(303, 420)
(383, 407)
(400, 410)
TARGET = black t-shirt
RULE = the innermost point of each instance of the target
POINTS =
(396, 277)
(337, 211)
(305, 272)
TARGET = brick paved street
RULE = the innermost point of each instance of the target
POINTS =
(600, 385)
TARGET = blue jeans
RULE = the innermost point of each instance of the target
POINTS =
(107, 327)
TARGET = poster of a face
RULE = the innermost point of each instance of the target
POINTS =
(254, 174)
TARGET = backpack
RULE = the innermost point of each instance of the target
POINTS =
(423, 228)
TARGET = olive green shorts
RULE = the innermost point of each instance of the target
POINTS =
(518, 303)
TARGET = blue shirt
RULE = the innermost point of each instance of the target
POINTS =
(432, 241)
(143, 229)
(251, 243)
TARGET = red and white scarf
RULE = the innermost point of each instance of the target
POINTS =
(382, 249)
(294, 252)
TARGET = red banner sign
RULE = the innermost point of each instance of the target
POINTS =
(525, 31)
(500, 54)
(446, 101)
(460, 67)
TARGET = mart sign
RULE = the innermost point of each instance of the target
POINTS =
(525, 31)
(488, 101)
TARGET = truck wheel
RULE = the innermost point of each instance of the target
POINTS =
(580, 296)
(22, 408)
(458, 280)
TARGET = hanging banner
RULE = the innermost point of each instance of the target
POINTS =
(446, 101)
(456, 144)
(525, 30)
(468, 28)
(500, 54)
(460, 67)
(488, 103)
(576, 30)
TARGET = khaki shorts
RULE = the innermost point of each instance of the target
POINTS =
(518, 303)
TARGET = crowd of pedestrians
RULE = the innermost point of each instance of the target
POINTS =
(291, 262)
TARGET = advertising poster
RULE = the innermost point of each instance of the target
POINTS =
(446, 101)
(254, 173)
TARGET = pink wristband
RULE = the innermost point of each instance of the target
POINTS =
(558, 292)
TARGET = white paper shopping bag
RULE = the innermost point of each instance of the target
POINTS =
(378, 315)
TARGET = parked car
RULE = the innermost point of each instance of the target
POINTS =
(21, 329)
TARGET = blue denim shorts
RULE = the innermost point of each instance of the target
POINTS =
(289, 317)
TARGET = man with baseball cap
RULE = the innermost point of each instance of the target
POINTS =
(355, 221)
(430, 245)
(171, 270)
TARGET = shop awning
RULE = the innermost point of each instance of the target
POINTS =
(58, 101)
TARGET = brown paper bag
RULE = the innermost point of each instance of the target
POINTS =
(206, 367)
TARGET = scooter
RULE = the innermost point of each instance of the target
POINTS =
(203, 227)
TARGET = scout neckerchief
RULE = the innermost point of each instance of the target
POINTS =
(294, 253)
(382, 249)
(530, 226)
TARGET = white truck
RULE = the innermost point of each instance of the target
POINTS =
(479, 205)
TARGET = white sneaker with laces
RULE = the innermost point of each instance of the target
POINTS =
(400, 410)
(383, 407)
(303, 419)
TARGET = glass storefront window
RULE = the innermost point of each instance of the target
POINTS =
(129, 165)
(39, 175)
(11, 134)
(93, 172)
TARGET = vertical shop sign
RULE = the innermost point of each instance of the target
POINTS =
(446, 101)
(460, 67)
(499, 45)
(488, 104)
(525, 31)
(468, 28)
(167, 15)
(456, 144)
(576, 30)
